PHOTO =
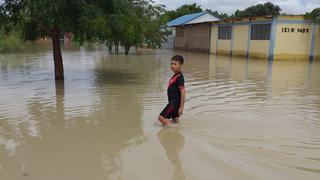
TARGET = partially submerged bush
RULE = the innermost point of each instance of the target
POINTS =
(10, 43)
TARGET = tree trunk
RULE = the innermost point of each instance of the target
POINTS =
(117, 49)
(126, 50)
(57, 57)
(109, 45)
(110, 49)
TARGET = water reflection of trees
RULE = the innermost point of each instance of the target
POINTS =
(120, 86)
(92, 142)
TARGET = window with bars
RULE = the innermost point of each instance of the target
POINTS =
(260, 31)
(224, 32)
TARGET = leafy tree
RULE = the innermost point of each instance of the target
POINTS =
(154, 31)
(181, 11)
(217, 14)
(138, 23)
(131, 31)
(39, 18)
(189, 9)
(314, 15)
(259, 10)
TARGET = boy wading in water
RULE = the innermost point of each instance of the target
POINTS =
(176, 94)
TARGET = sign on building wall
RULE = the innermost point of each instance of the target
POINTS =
(295, 30)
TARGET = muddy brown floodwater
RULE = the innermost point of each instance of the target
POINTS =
(243, 119)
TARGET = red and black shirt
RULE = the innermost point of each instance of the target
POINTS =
(175, 84)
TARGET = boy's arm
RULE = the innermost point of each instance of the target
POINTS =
(183, 95)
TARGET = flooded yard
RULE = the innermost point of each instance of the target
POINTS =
(243, 119)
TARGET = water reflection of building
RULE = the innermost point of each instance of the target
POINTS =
(272, 77)
(296, 76)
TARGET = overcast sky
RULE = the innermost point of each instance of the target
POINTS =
(230, 6)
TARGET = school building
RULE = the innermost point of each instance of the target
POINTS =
(285, 37)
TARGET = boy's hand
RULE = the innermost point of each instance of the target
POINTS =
(180, 112)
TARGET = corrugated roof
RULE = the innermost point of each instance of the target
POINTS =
(184, 19)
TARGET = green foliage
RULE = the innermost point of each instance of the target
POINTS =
(131, 30)
(137, 22)
(119, 22)
(93, 26)
(314, 15)
(41, 17)
(9, 42)
(252, 11)
(189, 9)
(181, 11)
(153, 31)
(217, 14)
(259, 10)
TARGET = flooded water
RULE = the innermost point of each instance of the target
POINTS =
(243, 119)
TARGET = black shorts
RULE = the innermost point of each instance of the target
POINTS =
(171, 111)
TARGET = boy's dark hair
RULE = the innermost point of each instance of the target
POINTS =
(178, 58)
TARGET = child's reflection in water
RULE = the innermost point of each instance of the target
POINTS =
(173, 142)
